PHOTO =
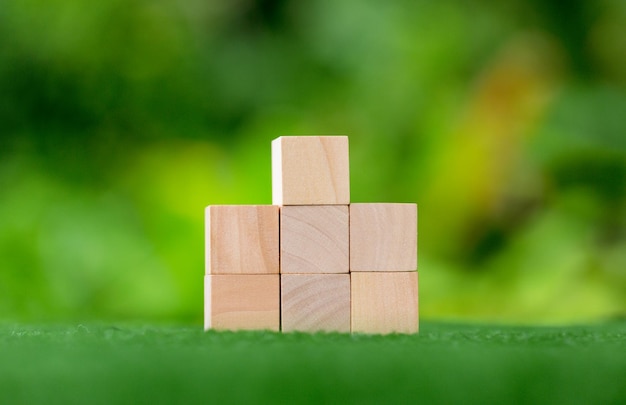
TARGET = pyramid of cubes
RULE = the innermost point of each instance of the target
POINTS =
(312, 261)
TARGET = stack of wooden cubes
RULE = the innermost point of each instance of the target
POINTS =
(312, 261)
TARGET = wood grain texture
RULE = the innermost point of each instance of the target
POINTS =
(384, 302)
(314, 239)
(315, 302)
(310, 170)
(383, 237)
(242, 302)
(242, 239)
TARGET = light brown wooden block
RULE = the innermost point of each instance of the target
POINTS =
(310, 170)
(314, 239)
(242, 239)
(315, 302)
(383, 237)
(242, 302)
(384, 302)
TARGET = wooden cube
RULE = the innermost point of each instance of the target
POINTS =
(314, 239)
(384, 302)
(242, 302)
(383, 237)
(242, 239)
(310, 170)
(315, 302)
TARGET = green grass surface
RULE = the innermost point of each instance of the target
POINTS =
(108, 363)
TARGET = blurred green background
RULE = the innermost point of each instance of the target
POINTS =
(120, 120)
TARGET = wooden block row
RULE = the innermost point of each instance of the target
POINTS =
(366, 302)
(313, 261)
(320, 239)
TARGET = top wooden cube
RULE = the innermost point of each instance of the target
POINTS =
(242, 239)
(383, 237)
(310, 170)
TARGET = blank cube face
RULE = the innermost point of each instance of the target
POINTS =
(310, 170)
(242, 239)
(384, 302)
(383, 237)
(314, 239)
(315, 302)
(242, 302)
